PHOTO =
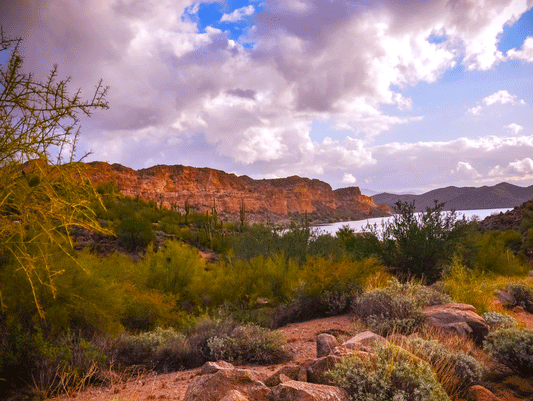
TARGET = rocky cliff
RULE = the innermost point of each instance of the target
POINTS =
(202, 188)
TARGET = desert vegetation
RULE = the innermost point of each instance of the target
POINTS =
(93, 283)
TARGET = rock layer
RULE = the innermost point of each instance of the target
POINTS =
(204, 188)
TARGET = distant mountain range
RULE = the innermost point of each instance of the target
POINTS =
(503, 195)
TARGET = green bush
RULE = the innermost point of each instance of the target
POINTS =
(513, 348)
(135, 233)
(392, 374)
(464, 369)
(498, 321)
(419, 244)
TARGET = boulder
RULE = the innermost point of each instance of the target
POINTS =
(317, 368)
(293, 372)
(459, 318)
(302, 391)
(231, 383)
(325, 343)
(366, 341)
(213, 367)
(506, 299)
(480, 393)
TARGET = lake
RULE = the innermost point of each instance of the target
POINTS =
(358, 225)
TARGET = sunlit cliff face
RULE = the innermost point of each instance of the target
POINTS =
(206, 188)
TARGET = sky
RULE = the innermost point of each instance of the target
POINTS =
(385, 95)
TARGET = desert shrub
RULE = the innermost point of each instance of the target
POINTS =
(199, 335)
(135, 233)
(498, 321)
(385, 313)
(522, 294)
(422, 295)
(161, 349)
(513, 348)
(248, 344)
(456, 370)
(419, 244)
(325, 246)
(51, 365)
(392, 374)
(303, 307)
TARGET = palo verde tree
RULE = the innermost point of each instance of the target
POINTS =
(42, 190)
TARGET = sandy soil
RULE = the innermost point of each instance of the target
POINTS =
(300, 342)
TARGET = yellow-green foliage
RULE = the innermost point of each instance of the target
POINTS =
(320, 274)
(493, 254)
(475, 288)
(172, 268)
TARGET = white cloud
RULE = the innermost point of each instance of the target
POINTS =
(517, 167)
(466, 170)
(348, 178)
(311, 60)
(238, 14)
(475, 110)
(525, 53)
(501, 97)
(514, 128)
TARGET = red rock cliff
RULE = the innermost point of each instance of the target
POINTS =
(203, 187)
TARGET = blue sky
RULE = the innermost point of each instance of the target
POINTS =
(387, 95)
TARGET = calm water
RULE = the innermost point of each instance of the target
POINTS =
(360, 224)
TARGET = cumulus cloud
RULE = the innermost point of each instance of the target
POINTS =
(239, 14)
(408, 165)
(517, 167)
(465, 169)
(348, 178)
(500, 97)
(525, 53)
(254, 107)
(514, 128)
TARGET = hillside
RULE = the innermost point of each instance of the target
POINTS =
(204, 188)
(502, 195)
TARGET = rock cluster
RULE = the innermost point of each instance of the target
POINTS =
(308, 381)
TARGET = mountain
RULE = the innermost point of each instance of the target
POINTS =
(202, 188)
(503, 195)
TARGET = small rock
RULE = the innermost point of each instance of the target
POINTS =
(325, 343)
(518, 309)
(293, 372)
(480, 393)
(365, 340)
(213, 367)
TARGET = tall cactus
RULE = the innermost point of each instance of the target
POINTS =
(242, 213)
(186, 210)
